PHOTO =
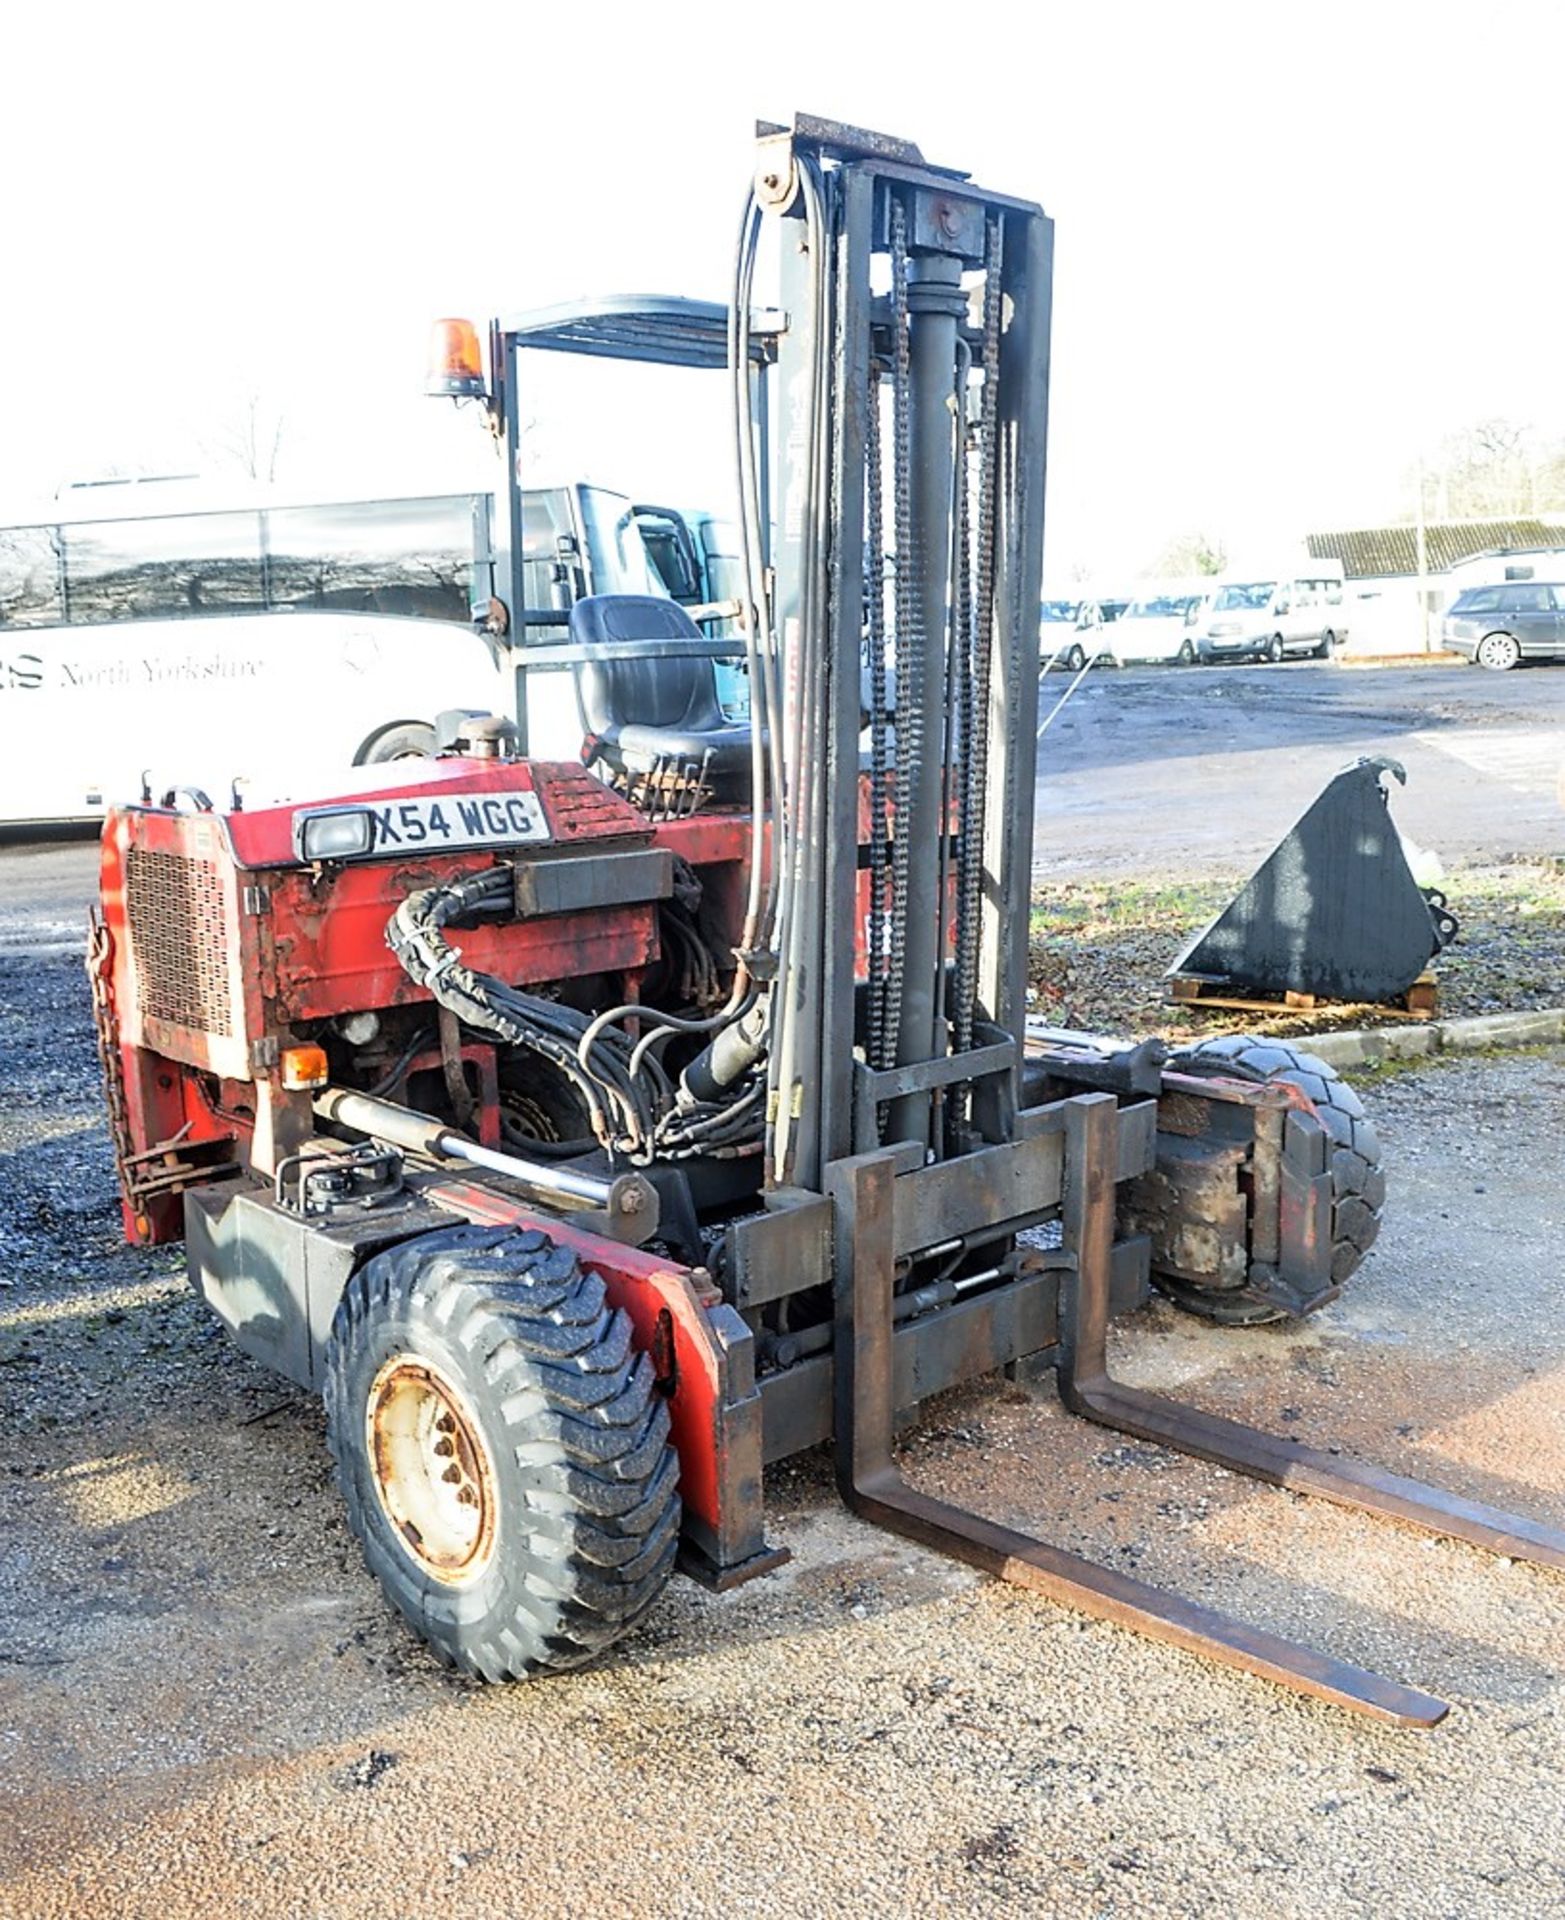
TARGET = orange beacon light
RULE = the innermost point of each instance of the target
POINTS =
(456, 362)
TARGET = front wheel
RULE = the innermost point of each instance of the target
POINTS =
(1327, 641)
(1275, 649)
(1186, 654)
(1499, 652)
(503, 1450)
(1076, 659)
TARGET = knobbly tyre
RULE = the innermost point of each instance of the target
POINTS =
(545, 1118)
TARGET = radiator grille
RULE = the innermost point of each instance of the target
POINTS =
(180, 938)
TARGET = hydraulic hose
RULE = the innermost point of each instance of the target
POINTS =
(622, 1107)
(755, 615)
(799, 932)
(630, 1099)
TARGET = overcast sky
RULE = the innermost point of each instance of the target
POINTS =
(1294, 243)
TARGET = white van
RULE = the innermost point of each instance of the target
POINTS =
(1156, 628)
(1259, 618)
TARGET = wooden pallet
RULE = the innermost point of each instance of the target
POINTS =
(1418, 1003)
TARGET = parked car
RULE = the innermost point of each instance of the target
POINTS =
(1273, 619)
(1499, 627)
(1060, 626)
(1158, 629)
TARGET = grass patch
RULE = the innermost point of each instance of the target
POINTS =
(1100, 950)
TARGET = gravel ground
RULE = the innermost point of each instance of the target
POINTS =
(205, 1708)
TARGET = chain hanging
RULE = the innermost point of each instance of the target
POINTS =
(970, 870)
(909, 667)
(879, 765)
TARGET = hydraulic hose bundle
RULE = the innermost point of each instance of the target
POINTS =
(786, 925)
(634, 1107)
(622, 1113)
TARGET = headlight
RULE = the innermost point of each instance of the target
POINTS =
(333, 833)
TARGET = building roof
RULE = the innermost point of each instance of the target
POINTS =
(1374, 553)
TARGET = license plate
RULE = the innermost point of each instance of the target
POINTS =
(457, 820)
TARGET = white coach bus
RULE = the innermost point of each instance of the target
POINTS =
(176, 644)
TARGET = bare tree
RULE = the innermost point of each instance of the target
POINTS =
(250, 439)
(1496, 469)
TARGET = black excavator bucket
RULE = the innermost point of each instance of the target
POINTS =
(1334, 910)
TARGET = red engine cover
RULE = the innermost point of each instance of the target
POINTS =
(224, 938)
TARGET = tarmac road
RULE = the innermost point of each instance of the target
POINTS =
(1170, 774)
(1156, 767)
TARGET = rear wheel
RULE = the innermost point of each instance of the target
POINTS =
(502, 1449)
(1499, 652)
(1358, 1181)
(1275, 649)
(408, 740)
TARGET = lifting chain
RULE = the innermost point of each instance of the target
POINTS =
(875, 607)
(1015, 651)
(960, 733)
(974, 795)
(909, 688)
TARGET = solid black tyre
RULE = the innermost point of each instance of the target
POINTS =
(408, 740)
(502, 1449)
(1358, 1181)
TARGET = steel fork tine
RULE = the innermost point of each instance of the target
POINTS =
(861, 1189)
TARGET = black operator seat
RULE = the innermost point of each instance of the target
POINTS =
(641, 711)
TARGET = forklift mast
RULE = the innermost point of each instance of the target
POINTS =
(924, 405)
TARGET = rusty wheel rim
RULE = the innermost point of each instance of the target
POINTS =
(432, 1472)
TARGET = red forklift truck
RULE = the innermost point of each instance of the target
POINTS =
(591, 1135)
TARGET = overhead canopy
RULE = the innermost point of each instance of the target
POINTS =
(663, 328)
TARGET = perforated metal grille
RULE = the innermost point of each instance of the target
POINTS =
(579, 806)
(179, 935)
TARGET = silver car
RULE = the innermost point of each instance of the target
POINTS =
(1501, 626)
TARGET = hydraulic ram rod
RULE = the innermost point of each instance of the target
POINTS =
(624, 1194)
